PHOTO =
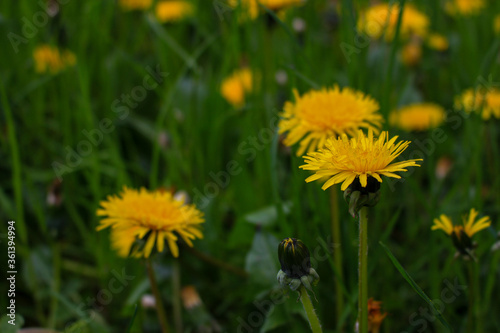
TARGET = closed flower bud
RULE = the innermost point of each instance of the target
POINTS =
(358, 196)
(295, 265)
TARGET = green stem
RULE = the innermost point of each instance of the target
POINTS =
(337, 254)
(363, 270)
(176, 294)
(474, 311)
(308, 307)
(160, 310)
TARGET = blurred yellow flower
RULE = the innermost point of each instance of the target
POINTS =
(140, 219)
(50, 59)
(496, 24)
(135, 4)
(464, 7)
(320, 114)
(485, 101)
(173, 10)
(382, 18)
(437, 42)
(234, 88)
(252, 9)
(344, 160)
(411, 53)
(418, 117)
(375, 316)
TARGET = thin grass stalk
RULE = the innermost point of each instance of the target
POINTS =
(160, 310)
(337, 254)
(363, 271)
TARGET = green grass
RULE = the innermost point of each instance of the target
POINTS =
(62, 261)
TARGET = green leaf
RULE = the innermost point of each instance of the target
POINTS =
(267, 215)
(262, 259)
(5, 327)
(415, 286)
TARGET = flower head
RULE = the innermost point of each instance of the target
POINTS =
(295, 262)
(383, 18)
(320, 114)
(496, 24)
(464, 7)
(235, 87)
(418, 117)
(375, 316)
(437, 42)
(411, 53)
(140, 218)
(50, 59)
(252, 7)
(485, 101)
(173, 10)
(461, 234)
(344, 160)
(135, 4)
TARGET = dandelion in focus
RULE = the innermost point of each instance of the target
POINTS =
(135, 4)
(464, 7)
(141, 219)
(320, 114)
(418, 117)
(484, 101)
(236, 86)
(50, 59)
(173, 10)
(381, 20)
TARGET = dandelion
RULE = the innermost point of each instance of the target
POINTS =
(172, 11)
(496, 24)
(411, 53)
(51, 59)
(383, 18)
(140, 219)
(320, 114)
(343, 160)
(135, 4)
(464, 7)
(485, 101)
(375, 316)
(437, 42)
(461, 235)
(252, 8)
(235, 87)
(418, 117)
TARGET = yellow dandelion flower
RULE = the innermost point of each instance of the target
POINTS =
(411, 53)
(140, 219)
(50, 59)
(464, 7)
(343, 159)
(172, 11)
(485, 101)
(496, 24)
(418, 117)
(252, 9)
(135, 4)
(437, 42)
(236, 86)
(320, 114)
(382, 18)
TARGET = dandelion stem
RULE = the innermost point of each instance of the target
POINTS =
(363, 270)
(474, 311)
(160, 310)
(337, 254)
(176, 294)
(308, 307)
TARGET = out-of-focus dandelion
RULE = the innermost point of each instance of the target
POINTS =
(140, 219)
(50, 59)
(236, 86)
(437, 42)
(381, 19)
(496, 24)
(135, 4)
(461, 235)
(484, 101)
(418, 117)
(411, 53)
(329, 112)
(464, 7)
(251, 8)
(375, 316)
(173, 10)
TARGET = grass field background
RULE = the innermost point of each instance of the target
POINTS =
(231, 162)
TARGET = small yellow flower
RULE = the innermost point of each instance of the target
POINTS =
(485, 101)
(174, 10)
(344, 160)
(235, 87)
(140, 218)
(252, 9)
(411, 53)
(375, 316)
(464, 7)
(50, 59)
(382, 18)
(496, 24)
(437, 42)
(320, 114)
(418, 117)
(135, 4)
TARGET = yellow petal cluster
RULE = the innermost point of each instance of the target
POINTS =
(236, 86)
(252, 9)
(418, 117)
(437, 42)
(319, 114)
(343, 159)
(135, 4)
(470, 225)
(485, 101)
(48, 59)
(173, 10)
(464, 7)
(141, 219)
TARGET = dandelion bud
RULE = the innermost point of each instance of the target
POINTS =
(358, 196)
(295, 265)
